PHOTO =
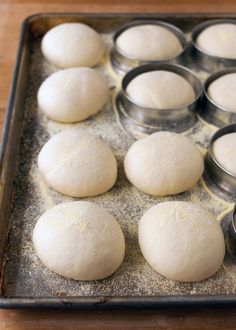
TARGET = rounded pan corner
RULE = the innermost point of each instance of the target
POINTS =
(28, 19)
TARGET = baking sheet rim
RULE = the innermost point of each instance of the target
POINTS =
(99, 301)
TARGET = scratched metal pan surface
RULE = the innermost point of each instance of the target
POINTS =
(25, 282)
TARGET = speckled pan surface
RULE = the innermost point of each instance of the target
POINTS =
(24, 275)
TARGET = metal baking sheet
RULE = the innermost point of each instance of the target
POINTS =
(25, 282)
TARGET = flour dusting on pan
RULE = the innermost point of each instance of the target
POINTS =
(32, 197)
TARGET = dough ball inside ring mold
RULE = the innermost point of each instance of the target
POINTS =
(176, 119)
(205, 60)
(213, 112)
(166, 43)
(220, 176)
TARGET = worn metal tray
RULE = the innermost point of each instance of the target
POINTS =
(24, 196)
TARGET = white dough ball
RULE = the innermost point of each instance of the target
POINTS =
(223, 91)
(73, 95)
(224, 151)
(149, 42)
(163, 163)
(182, 241)
(72, 44)
(160, 90)
(77, 164)
(218, 40)
(79, 240)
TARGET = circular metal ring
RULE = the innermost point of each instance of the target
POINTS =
(177, 119)
(210, 110)
(217, 173)
(123, 63)
(207, 61)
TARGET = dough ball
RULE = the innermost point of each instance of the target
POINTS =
(182, 241)
(163, 163)
(223, 92)
(218, 40)
(224, 151)
(160, 90)
(79, 240)
(72, 44)
(77, 164)
(149, 42)
(73, 95)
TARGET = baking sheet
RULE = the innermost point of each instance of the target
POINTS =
(24, 275)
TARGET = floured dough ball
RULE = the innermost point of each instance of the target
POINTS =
(149, 42)
(72, 44)
(223, 91)
(77, 164)
(79, 240)
(224, 151)
(73, 95)
(218, 40)
(163, 163)
(182, 241)
(160, 90)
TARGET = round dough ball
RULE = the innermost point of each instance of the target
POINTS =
(182, 241)
(223, 91)
(160, 90)
(224, 151)
(163, 163)
(149, 42)
(79, 240)
(77, 164)
(72, 44)
(73, 95)
(218, 40)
